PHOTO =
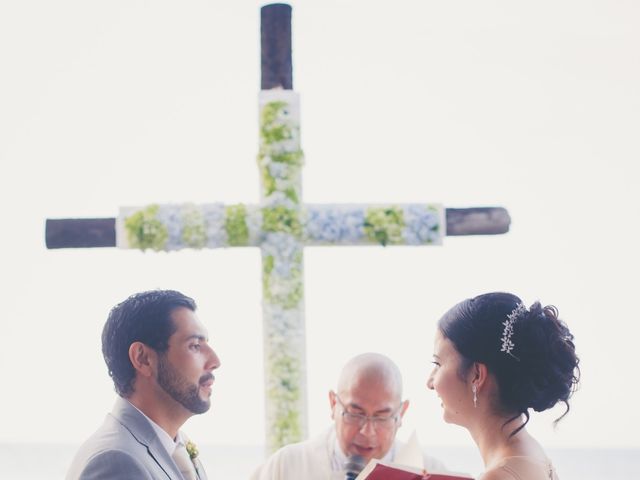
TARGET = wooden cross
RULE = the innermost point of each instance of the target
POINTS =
(281, 225)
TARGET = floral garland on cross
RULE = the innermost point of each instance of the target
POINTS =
(281, 226)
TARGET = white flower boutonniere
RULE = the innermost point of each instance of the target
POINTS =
(192, 450)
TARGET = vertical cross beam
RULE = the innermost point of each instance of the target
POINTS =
(280, 162)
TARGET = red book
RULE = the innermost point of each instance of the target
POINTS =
(377, 470)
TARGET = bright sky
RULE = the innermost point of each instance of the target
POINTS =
(534, 106)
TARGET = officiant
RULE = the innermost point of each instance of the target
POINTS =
(366, 409)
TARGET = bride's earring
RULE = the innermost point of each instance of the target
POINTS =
(474, 389)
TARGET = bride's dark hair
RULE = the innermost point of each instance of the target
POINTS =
(540, 370)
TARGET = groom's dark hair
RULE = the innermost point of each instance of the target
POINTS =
(143, 317)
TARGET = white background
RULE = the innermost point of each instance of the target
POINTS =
(533, 106)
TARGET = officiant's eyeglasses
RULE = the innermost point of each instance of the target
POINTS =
(359, 420)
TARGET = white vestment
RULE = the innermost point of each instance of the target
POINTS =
(313, 459)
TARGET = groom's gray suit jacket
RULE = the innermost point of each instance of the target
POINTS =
(125, 447)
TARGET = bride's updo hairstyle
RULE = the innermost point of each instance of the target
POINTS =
(529, 351)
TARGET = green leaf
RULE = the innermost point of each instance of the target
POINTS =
(235, 223)
(144, 230)
(384, 225)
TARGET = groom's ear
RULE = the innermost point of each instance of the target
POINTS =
(142, 357)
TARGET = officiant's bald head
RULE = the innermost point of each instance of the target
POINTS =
(367, 406)
(372, 369)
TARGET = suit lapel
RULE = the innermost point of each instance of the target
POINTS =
(202, 475)
(143, 432)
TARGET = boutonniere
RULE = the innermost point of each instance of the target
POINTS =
(192, 450)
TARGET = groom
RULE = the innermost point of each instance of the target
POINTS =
(158, 355)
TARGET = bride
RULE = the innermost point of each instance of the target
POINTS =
(494, 360)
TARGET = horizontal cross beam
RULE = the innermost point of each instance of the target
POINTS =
(101, 232)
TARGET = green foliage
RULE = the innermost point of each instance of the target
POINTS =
(286, 429)
(267, 264)
(384, 225)
(274, 131)
(235, 224)
(271, 130)
(294, 159)
(292, 195)
(285, 395)
(281, 219)
(194, 231)
(288, 299)
(286, 292)
(144, 230)
(268, 181)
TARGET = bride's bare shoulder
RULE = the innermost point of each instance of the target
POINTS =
(498, 473)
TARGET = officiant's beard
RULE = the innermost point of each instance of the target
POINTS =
(180, 389)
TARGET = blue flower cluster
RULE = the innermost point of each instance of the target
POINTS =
(214, 217)
(422, 224)
(332, 224)
(284, 248)
(171, 217)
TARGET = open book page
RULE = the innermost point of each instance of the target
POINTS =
(447, 476)
(377, 470)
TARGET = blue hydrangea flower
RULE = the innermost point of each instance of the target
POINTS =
(171, 217)
(330, 224)
(214, 218)
(421, 225)
(284, 249)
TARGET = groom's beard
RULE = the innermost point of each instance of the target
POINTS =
(180, 389)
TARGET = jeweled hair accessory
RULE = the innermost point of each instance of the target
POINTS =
(507, 333)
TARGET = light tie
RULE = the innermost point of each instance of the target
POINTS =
(184, 463)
